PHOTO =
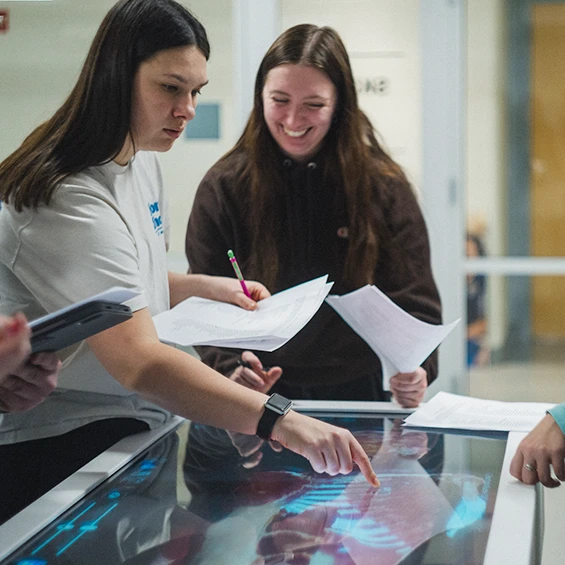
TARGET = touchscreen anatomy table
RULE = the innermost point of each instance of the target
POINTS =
(198, 495)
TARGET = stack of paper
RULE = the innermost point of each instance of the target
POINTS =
(401, 341)
(446, 410)
(199, 321)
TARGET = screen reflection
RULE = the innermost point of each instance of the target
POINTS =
(252, 503)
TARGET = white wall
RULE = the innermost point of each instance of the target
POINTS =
(382, 38)
(40, 58)
(187, 162)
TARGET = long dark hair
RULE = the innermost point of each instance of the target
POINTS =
(355, 158)
(92, 125)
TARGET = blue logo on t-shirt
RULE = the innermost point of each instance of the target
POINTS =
(156, 218)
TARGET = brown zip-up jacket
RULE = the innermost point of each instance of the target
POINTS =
(326, 351)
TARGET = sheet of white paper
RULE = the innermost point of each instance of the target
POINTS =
(115, 294)
(198, 321)
(401, 341)
(447, 410)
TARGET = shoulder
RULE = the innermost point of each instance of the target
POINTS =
(228, 169)
(224, 184)
(105, 195)
(398, 192)
(143, 173)
(82, 198)
(223, 192)
(91, 187)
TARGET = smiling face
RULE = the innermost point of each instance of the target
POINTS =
(298, 106)
(166, 88)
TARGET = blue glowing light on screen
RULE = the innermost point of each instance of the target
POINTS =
(471, 508)
(349, 520)
(88, 520)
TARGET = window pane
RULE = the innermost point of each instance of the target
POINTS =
(515, 133)
(520, 353)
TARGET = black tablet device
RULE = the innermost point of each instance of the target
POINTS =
(75, 323)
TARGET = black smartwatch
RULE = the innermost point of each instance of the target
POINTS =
(275, 407)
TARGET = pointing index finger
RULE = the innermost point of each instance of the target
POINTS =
(362, 461)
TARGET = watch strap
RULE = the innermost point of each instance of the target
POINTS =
(275, 407)
(267, 423)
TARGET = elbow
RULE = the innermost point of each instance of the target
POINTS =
(139, 376)
(134, 371)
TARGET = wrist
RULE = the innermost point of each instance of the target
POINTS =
(282, 424)
(183, 286)
(275, 408)
(200, 286)
(558, 414)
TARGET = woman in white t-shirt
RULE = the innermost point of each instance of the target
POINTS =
(83, 210)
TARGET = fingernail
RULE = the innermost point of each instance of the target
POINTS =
(14, 327)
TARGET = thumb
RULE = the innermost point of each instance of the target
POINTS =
(244, 302)
(274, 374)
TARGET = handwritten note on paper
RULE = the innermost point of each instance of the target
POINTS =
(453, 411)
(401, 341)
(199, 321)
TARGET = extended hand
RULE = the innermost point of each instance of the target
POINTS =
(249, 447)
(542, 447)
(294, 538)
(329, 449)
(408, 389)
(404, 442)
(30, 383)
(256, 377)
(14, 343)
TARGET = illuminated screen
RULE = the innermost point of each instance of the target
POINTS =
(202, 496)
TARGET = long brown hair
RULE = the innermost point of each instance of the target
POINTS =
(355, 158)
(92, 125)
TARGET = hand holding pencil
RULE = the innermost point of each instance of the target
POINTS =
(244, 294)
(238, 274)
(253, 290)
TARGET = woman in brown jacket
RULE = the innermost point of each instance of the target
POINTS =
(308, 191)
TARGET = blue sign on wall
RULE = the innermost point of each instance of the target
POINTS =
(206, 123)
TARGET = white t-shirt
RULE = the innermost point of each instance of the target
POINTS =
(104, 227)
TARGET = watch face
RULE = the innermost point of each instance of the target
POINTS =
(279, 403)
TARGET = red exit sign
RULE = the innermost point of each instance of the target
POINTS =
(3, 21)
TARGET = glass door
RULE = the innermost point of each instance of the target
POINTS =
(515, 209)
